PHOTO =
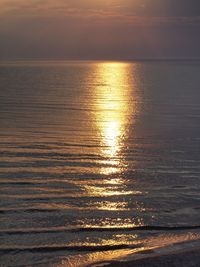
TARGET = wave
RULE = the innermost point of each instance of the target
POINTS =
(46, 249)
(179, 256)
(99, 229)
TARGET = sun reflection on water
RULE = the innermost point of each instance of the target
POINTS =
(114, 103)
(113, 94)
(114, 98)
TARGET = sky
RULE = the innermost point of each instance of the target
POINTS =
(99, 29)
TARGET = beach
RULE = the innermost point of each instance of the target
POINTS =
(185, 254)
(180, 259)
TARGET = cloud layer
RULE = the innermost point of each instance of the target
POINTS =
(99, 29)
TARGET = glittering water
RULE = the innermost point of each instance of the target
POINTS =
(97, 156)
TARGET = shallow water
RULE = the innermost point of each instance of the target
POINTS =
(96, 156)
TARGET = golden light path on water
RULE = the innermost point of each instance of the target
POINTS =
(113, 94)
(115, 103)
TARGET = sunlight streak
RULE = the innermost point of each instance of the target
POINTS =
(113, 108)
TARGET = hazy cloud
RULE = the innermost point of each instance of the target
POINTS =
(99, 29)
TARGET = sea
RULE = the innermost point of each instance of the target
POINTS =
(98, 160)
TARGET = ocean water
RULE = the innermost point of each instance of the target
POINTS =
(97, 160)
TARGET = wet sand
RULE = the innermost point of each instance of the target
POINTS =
(189, 258)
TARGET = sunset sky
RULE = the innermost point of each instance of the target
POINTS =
(99, 29)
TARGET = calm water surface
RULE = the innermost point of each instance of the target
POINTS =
(97, 156)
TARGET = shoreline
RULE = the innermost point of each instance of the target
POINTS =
(185, 254)
(189, 258)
